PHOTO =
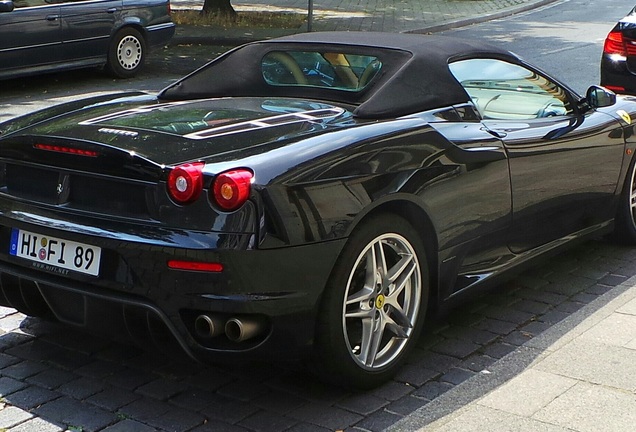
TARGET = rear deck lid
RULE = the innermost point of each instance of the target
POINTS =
(174, 132)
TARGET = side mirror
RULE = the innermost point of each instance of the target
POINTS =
(6, 6)
(598, 97)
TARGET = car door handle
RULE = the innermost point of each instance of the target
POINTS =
(52, 17)
(111, 10)
(496, 133)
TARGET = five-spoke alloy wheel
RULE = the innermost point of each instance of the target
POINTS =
(625, 223)
(382, 301)
(374, 305)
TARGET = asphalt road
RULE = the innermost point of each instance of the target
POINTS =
(53, 378)
(564, 39)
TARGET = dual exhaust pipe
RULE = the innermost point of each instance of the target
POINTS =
(237, 329)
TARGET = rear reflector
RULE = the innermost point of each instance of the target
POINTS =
(68, 150)
(196, 266)
(616, 89)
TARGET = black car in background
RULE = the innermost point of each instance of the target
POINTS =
(618, 63)
(46, 35)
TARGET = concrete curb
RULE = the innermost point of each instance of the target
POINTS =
(483, 18)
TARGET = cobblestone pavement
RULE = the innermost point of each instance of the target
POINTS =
(53, 378)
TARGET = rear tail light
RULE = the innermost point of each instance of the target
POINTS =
(614, 44)
(617, 45)
(185, 182)
(231, 189)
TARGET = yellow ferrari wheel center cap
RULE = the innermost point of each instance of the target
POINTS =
(379, 301)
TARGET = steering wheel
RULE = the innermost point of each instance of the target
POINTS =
(552, 109)
(288, 62)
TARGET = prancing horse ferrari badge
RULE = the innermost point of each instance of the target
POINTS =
(625, 116)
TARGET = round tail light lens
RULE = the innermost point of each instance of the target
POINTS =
(232, 188)
(185, 182)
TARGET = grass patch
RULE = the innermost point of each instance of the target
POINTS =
(244, 19)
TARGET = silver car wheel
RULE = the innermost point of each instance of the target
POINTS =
(632, 195)
(382, 300)
(129, 52)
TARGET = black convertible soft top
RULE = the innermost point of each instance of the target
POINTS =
(415, 76)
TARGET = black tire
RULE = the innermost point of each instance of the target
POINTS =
(127, 53)
(625, 222)
(363, 343)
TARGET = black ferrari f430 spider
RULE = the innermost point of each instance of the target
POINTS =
(313, 195)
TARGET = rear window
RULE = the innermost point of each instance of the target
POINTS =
(340, 71)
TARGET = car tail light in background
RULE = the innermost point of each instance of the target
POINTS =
(614, 44)
(231, 189)
(618, 46)
(185, 182)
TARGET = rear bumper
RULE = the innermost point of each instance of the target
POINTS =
(616, 75)
(160, 34)
(139, 298)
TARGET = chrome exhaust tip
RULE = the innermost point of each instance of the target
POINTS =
(206, 326)
(244, 328)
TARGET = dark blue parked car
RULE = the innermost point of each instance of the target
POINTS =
(45, 35)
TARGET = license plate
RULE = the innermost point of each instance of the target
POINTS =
(53, 254)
